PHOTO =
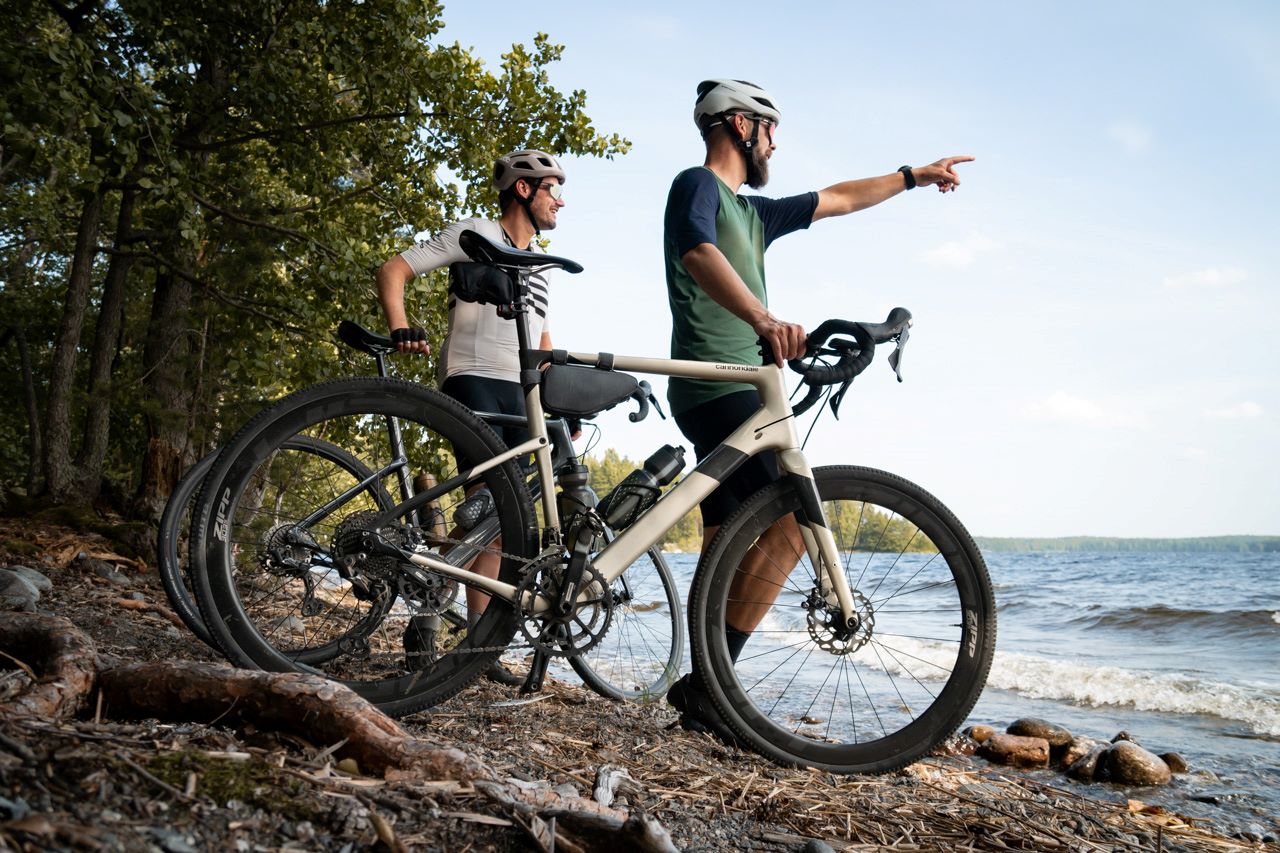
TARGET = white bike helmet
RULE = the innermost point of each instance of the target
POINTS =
(717, 97)
(530, 164)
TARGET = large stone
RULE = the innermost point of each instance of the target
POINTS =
(1085, 768)
(1015, 750)
(1079, 747)
(31, 576)
(1057, 736)
(1129, 764)
(979, 732)
(17, 593)
(1177, 764)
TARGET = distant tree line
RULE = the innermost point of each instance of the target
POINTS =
(1244, 544)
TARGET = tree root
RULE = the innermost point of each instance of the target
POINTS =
(63, 663)
(60, 658)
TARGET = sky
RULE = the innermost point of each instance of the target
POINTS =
(1094, 349)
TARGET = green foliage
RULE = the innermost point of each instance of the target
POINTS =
(612, 468)
(1241, 544)
(279, 152)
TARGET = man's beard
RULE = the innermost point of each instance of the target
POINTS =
(757, 166)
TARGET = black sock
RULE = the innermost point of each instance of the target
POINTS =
(735, 640)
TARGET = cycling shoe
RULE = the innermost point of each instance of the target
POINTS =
(698, 714)
(475, 507)
(499, 674)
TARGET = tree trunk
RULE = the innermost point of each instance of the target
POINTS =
(164, 361)
(60, 662)
(35, 445)
(57, 456)
(93, 447)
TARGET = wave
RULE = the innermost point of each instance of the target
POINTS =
(1095, 686)
(1256, 706)
(1162, 618)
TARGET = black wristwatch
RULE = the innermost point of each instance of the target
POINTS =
(908, 178)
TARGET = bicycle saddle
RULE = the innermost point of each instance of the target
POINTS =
(483, 249)
(358, 337)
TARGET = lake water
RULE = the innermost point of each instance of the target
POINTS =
(1182, 650)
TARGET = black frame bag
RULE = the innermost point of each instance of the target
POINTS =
(572, 391)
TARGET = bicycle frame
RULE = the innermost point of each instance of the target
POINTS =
(772, 427)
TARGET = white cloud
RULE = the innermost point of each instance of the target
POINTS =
(1063, 408)
(961, 253)
(1241, 411)
(1132, 136)
(1211, 277)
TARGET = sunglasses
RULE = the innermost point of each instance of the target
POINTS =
(553, 190)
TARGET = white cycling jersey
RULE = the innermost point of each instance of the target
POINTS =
(479, 342)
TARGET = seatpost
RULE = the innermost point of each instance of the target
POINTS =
(382, 364)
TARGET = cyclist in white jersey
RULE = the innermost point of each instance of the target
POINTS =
(479, 360)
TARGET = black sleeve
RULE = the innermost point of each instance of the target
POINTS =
(783, 215)
(692, 206)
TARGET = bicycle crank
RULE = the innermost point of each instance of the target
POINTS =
(563, 634)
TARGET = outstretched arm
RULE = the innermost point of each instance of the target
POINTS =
(851, 196)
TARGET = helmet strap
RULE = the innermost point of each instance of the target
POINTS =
(747, 144)
(527, 202)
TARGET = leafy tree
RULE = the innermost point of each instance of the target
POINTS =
(193, 195)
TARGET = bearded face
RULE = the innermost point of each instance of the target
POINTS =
(758, 166)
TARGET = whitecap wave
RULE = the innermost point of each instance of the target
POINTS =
(1043, 678)
(1256, 705)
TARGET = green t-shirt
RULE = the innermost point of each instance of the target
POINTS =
(702, 209)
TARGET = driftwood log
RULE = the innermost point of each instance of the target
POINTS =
(61, 663)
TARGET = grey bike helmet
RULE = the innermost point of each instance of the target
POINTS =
(717, 97)
(530, 163)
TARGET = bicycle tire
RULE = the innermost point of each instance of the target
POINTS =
(253, 590)
(181, 507)
(639, 657)
(927, 611)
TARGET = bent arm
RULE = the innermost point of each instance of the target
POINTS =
(391, 279)
(714, 274)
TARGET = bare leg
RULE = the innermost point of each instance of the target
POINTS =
(761, 575)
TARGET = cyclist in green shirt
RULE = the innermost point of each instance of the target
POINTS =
(714, 242)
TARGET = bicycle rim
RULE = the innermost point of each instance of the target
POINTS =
(870, 701)
(639, 657)
(316, 602)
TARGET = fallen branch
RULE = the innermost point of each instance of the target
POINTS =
(62, 658)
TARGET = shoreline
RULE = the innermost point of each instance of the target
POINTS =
(139, 785)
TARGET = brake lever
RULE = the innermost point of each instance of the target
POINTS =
(895, 357)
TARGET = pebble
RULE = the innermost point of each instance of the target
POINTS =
(1057, 736)
(813, 845)
(17, 593)
(979, 732)
(1079, 747)
(1177, 764)
(1015, 750)
(1129, 764)
(31, 576)
(1085, 768)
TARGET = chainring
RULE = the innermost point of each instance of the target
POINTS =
(563, 635)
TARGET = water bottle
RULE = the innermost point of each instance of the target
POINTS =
(639, 491)
(576, 494)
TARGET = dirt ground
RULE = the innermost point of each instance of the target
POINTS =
(100, 784)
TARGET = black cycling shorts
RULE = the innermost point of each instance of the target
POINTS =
(483, 394)
(710, 423)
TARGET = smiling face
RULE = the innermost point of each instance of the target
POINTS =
(546, 202)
